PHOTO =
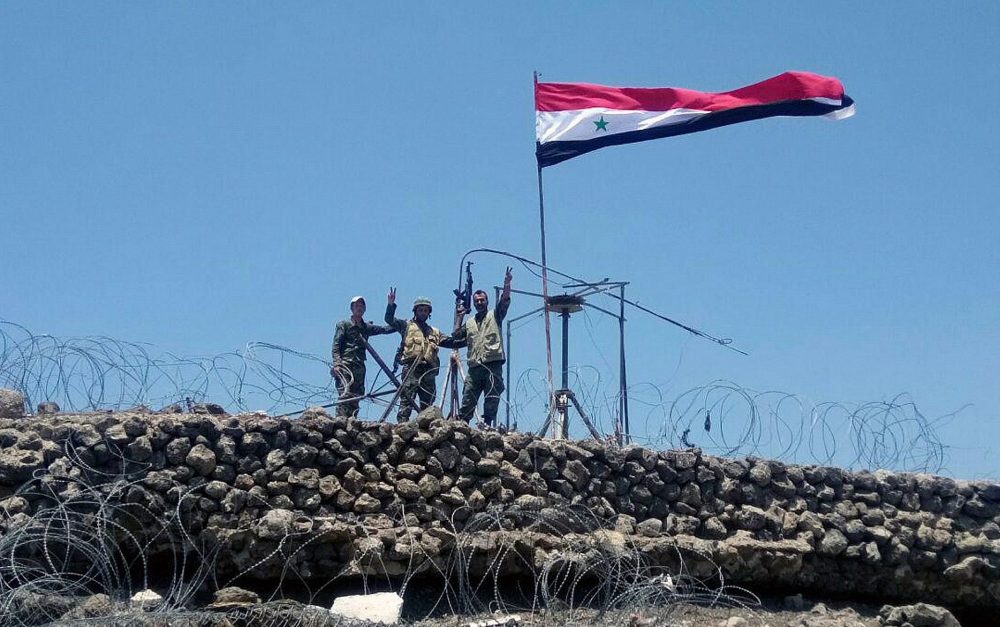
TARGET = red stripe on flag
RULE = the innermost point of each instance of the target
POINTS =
(787, 86)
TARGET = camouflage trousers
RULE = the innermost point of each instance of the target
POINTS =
(350, 380)
(419, 390)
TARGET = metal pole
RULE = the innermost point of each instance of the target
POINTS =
(447, 386)
(586, 418)
(545, 293)
(507, 391)
(545, 271)
(563, 426)
(565, 371)
(622, 378)
(381, 364)
(565, 349)
(451, 380)
(399, 393)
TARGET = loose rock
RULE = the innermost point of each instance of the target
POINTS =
(379, 607)
(11, 404)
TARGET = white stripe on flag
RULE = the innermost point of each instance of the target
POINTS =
(841, 114)
(829, 101)
(582, 124)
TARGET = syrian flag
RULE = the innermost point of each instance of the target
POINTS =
(576, 118)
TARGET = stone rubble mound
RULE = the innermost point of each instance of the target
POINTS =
(350, 498)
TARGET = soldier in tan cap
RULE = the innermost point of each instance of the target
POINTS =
(349, 354)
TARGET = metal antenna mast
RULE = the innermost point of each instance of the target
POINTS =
(557, 421)
(605, 286)
(564, 305)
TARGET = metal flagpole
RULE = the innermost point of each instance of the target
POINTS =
(622, 379)
(545, 299)
(545, 283)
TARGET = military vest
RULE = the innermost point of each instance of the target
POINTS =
(416, 347)
(484, 339)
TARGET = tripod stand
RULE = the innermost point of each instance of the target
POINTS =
(558, 418)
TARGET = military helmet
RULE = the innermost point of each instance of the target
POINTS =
(422, 301)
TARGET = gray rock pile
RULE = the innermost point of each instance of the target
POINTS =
(360, 497)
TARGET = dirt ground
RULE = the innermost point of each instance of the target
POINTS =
(818, 615)
(782, 612)
(794, 612)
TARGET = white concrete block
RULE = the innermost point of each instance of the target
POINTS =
(146, 598)
(379, 607)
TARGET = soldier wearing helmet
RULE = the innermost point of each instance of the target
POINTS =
(349, 354)
(419, 355)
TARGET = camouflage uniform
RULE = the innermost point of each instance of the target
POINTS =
(349, 354)
(486, 357)
(420, 358)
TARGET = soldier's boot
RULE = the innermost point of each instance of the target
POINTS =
(490, 408)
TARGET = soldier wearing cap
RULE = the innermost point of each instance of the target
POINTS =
(349, 354)
(419, 355)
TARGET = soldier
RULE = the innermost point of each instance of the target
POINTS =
(481, 333)
(349, 354)
(419, 355)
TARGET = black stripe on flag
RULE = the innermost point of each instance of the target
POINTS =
(555, 152)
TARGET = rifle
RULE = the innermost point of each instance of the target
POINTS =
(463, 297)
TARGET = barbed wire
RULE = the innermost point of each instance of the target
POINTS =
(727, 419)
(721, 417)
(102, 373)
(93, 532)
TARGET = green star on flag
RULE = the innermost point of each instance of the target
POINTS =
(601, 125)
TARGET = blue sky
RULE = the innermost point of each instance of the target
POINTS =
(200, 175)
